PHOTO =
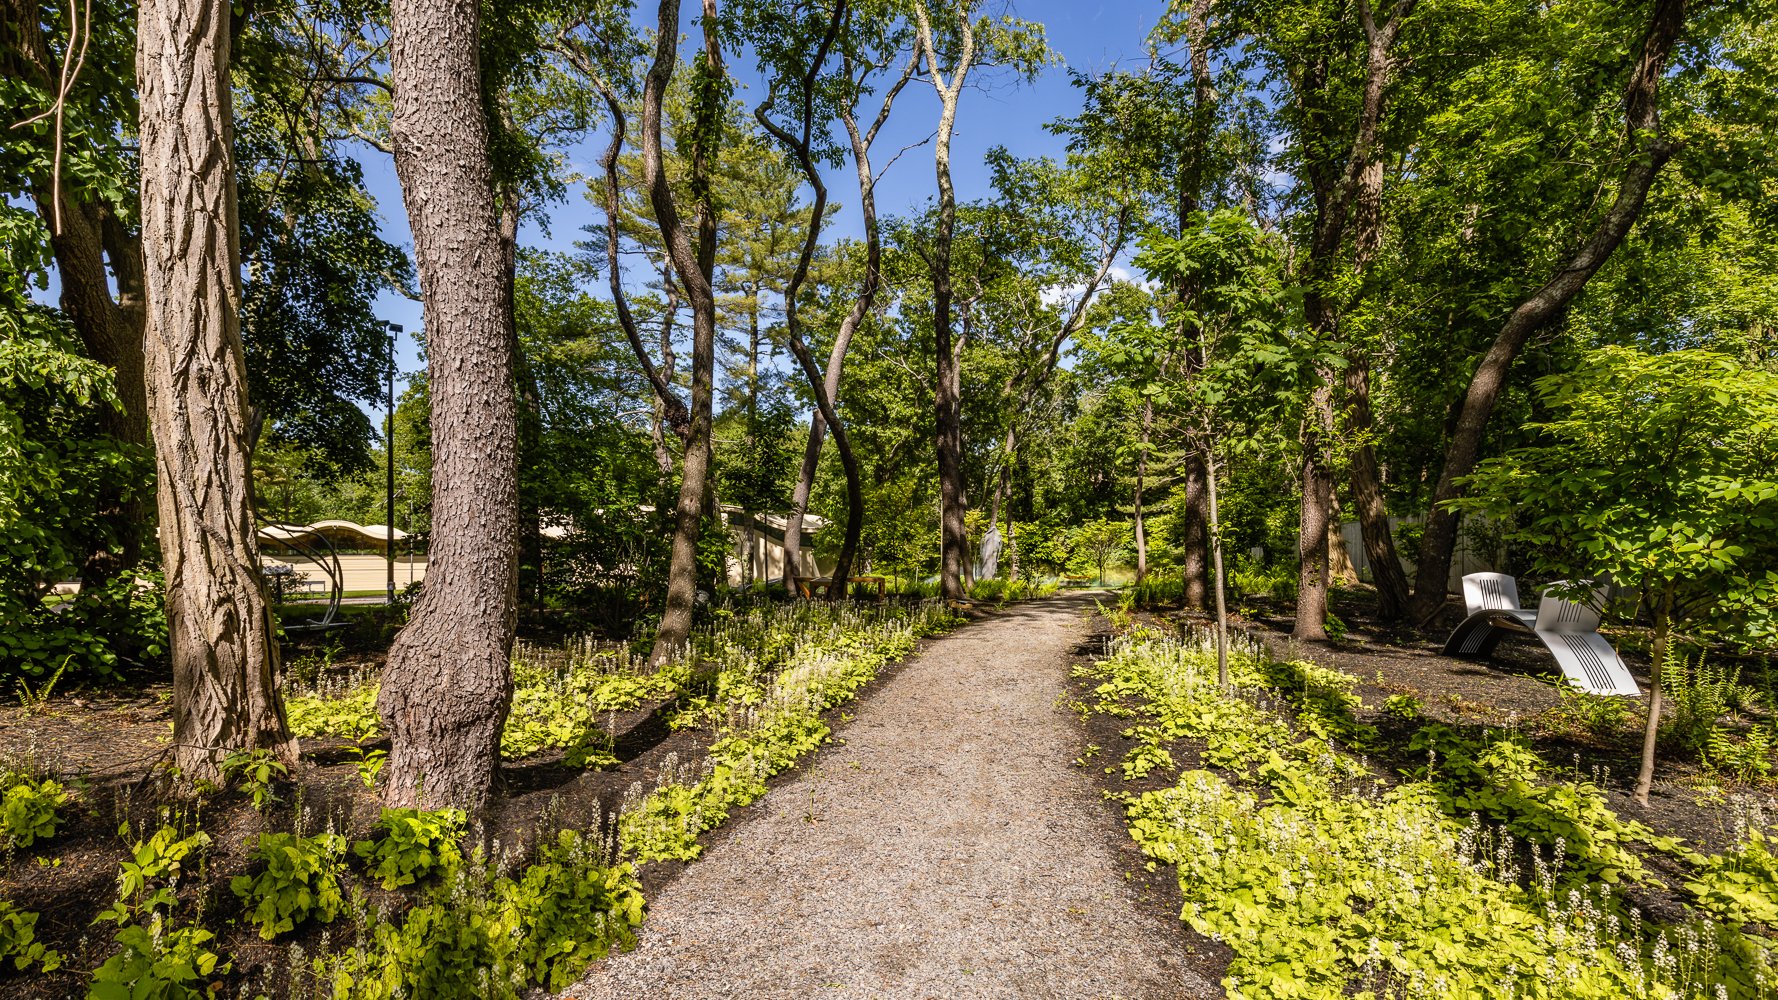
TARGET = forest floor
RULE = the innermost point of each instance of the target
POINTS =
(1519, 689)
(944, 847)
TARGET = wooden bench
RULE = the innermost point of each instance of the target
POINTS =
(823, 588)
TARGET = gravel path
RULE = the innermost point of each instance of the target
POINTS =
(946, 849)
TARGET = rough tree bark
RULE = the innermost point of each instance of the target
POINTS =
(861, 306)
(1642, 122)
(448, 685)
(223, 639)
(948, 396)
(85, 230)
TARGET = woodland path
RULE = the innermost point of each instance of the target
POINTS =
(947, 848)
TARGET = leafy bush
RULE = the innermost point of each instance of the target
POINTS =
(19, 944)
(1598, 717)
(478, 934)
(28, 809)
(300, 880)
(1701, 694)
(414, 844)
(55, 466)
(254, 771)
(1740, 887)
(160, 962)
(1747, 759)
(349, 712)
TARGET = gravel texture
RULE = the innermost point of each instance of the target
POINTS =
(946, 848)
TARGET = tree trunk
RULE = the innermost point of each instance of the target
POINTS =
(693, 253)
(448, 685)
(1657, 661)
(1311, 594)
(948, 397)
(1367, 495)
(861, 307)
(1141, 471)
(1643, 123)
(223, 638)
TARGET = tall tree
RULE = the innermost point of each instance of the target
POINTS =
(448, 685)
(861, 62)
(690, 251)
(224, 646)
(1651, 149)
(948, 398)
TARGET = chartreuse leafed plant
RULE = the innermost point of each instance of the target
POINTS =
(28, 809)
(477, 933)
(300, 880)
(157, 957)
(1327, 881)
(778, 669)
(413, 844)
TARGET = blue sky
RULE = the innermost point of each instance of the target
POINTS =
(995, 110)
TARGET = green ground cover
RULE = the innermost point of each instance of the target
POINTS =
(1478, 873)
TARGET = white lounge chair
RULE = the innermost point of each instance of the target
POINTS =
(1569, 629)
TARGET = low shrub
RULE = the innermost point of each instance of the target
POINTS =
(1327, 882)
(28, 809)
(300, 880)
(413, 844)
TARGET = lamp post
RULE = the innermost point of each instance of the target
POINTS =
(389, 450)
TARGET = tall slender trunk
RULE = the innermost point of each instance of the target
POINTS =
(1339, 194)
(448, 686)
(1642, 123)
(1141, 471)
(824, 387)
(1194, 532)
(223, 638)
(530, 410)
(948, 395)
(1657, 662)
(1317, 485)
(693, 253)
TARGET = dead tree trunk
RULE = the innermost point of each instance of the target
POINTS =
(224, 646)
(448, 686)
(1642, 121)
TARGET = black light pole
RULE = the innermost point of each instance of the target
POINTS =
(389, 447)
